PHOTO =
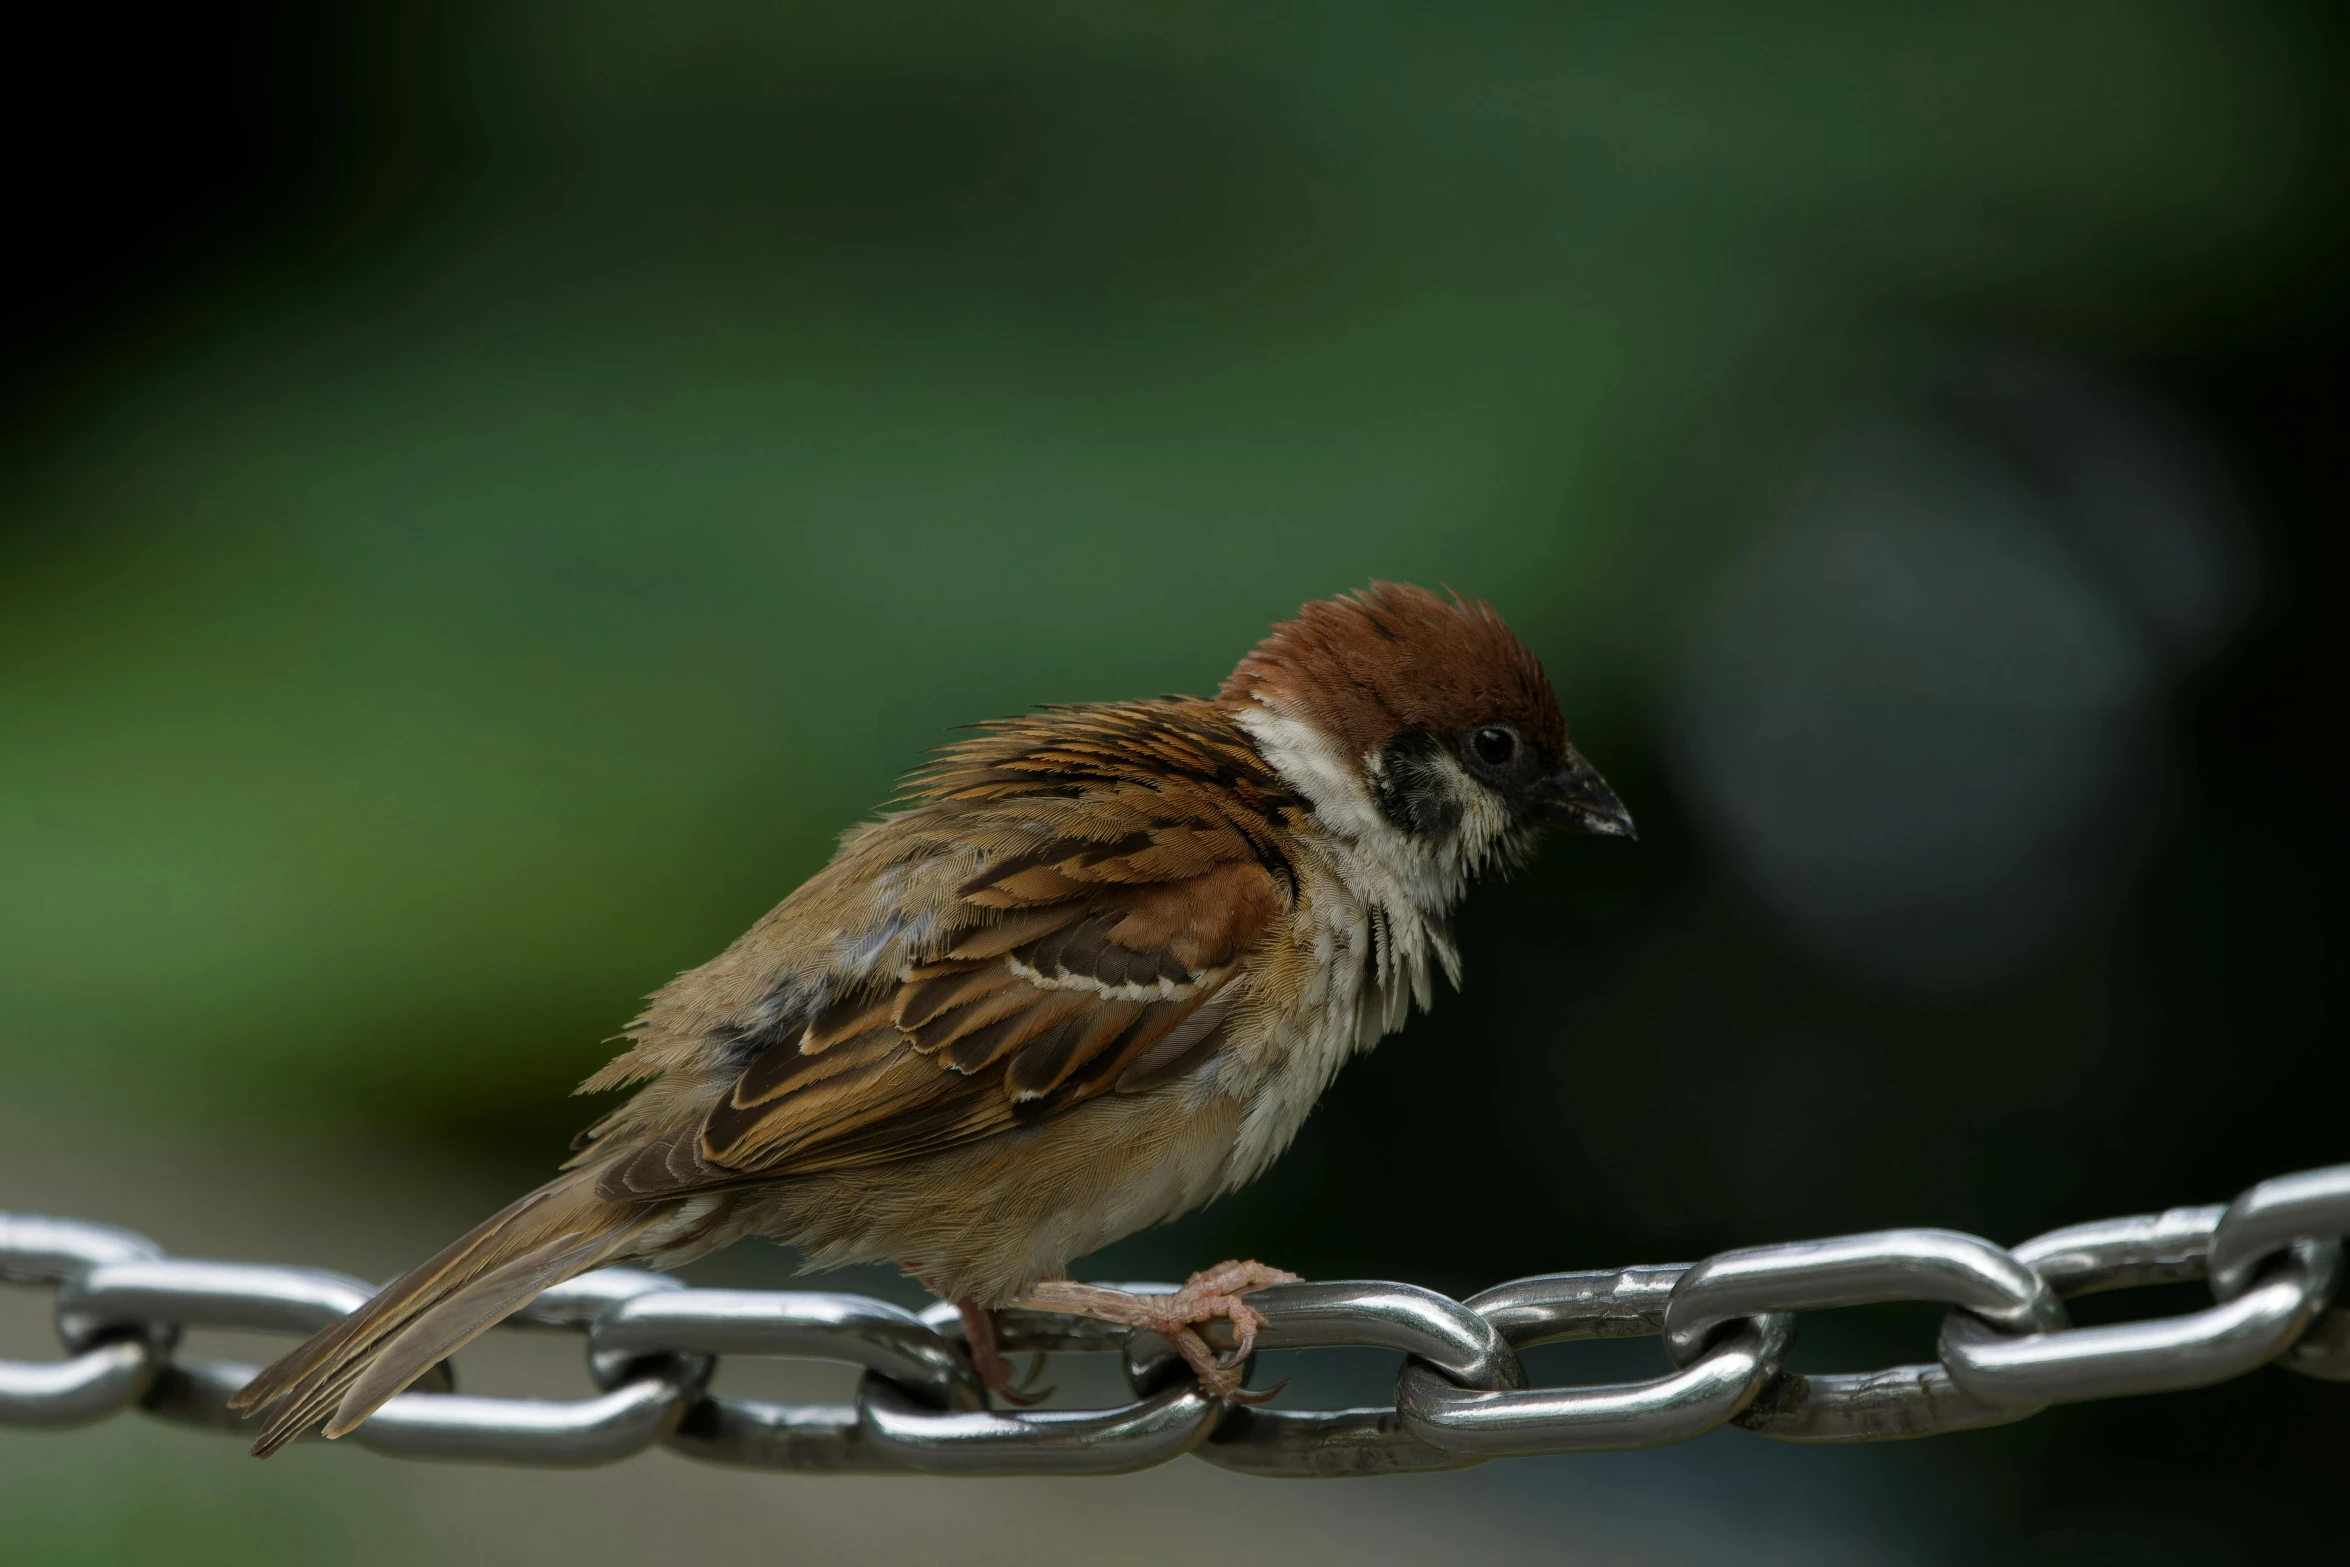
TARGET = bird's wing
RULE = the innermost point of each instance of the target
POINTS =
(1094, 946)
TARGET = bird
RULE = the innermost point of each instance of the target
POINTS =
(1089, 969)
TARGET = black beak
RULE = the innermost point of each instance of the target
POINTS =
(1576, 797)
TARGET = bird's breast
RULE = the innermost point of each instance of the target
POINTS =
(1350, 963)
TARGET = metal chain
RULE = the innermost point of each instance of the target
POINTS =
(2007, 1350)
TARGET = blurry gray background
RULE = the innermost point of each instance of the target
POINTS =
(488, 493)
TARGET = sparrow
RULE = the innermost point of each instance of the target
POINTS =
(1089, 970)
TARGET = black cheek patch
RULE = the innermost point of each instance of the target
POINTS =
(1415, 788)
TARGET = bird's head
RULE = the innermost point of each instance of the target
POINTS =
(1399, 711)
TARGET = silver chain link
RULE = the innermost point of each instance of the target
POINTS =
(2007, 1350)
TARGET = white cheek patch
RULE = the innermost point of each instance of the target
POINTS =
(1430, 874)
(1330, 779)
(1410, 882)
(1487, 825)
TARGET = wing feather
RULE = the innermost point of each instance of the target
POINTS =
(1092, 880)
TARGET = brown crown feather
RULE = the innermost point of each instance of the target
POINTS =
(1369, 666)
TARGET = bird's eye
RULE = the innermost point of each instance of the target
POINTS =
(1494, 745)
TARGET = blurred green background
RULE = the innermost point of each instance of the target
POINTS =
(488, 493)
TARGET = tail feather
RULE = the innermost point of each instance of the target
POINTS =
(462, 1318)
(351, 1367)
(430, 1279)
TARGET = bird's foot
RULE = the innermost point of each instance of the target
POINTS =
(988, 1362)
(1210, 1295)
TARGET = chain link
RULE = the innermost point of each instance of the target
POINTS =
(2007, 1349)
